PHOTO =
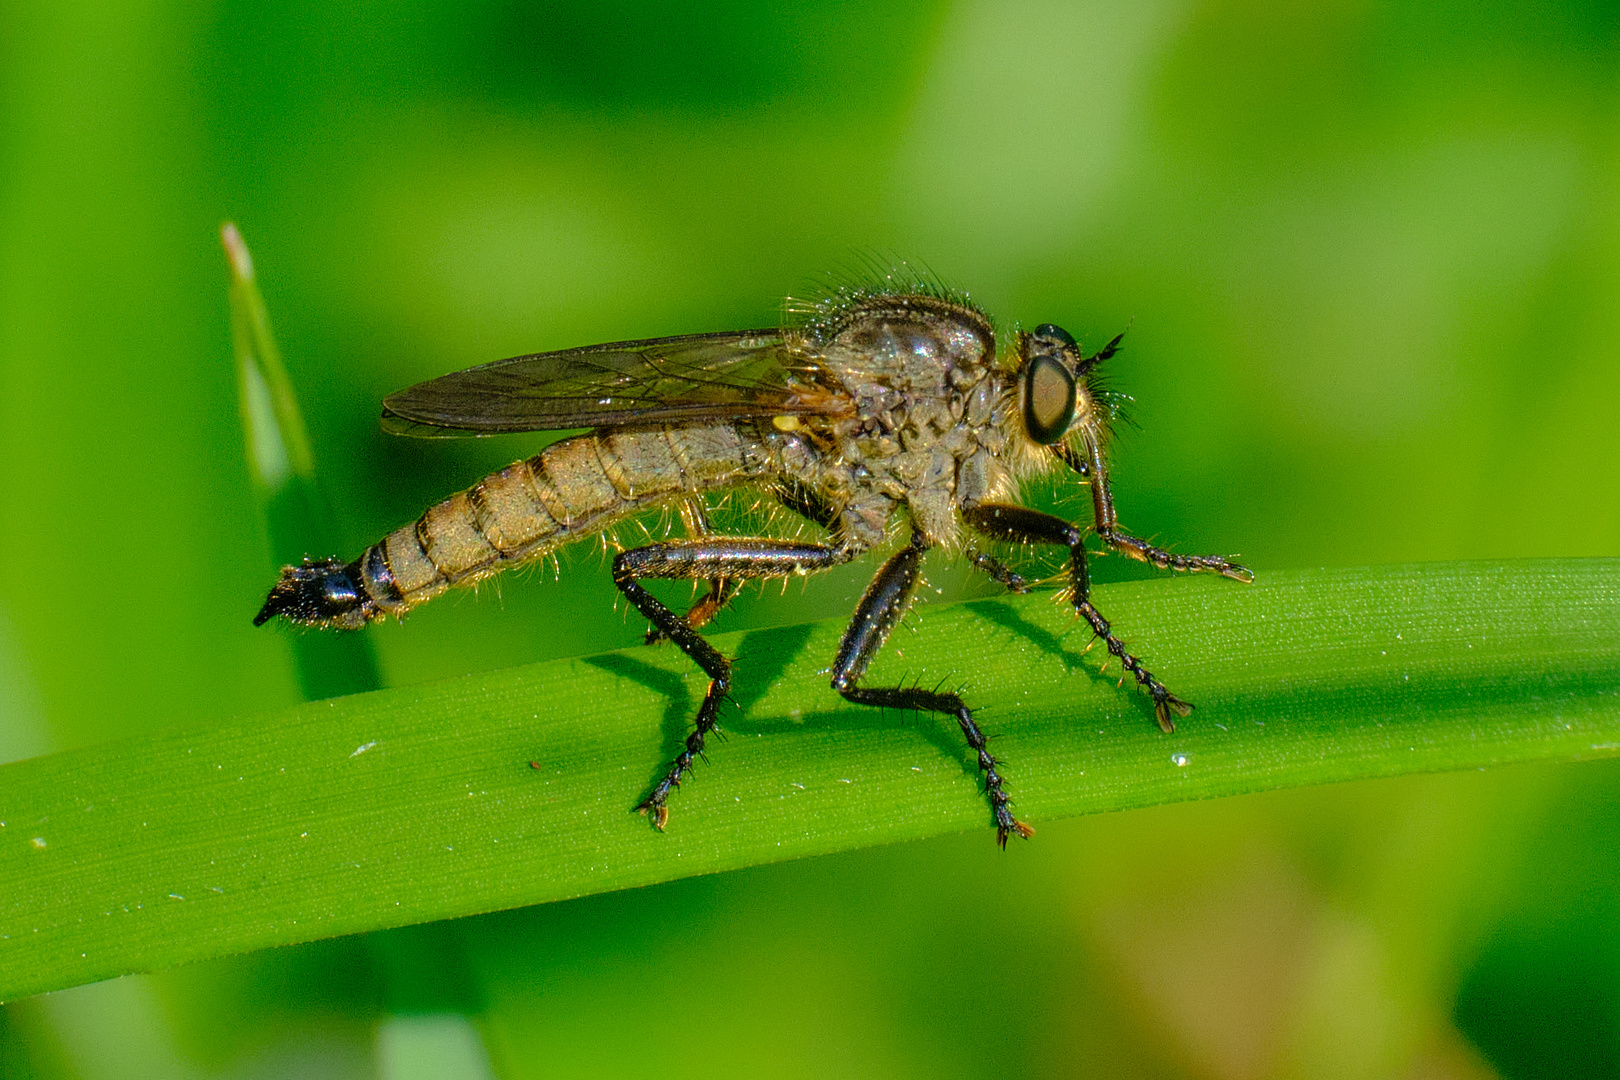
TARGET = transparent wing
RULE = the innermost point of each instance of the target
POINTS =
(695, 378)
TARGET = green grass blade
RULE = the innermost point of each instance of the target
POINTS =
(278, 442)
(419, 803)
(297, 515)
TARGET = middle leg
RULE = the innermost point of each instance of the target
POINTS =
(881, 608)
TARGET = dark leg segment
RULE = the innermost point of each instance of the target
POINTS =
(727, 559)
(721, 592)
(1021, 525)
(807, 503)
(998, 571)
(1140, 549)
(792, 494)
(695, 516)
(880, 609)
(1089, 463)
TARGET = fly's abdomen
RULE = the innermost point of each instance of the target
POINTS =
(569, 491)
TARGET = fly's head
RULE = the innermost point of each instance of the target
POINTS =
(1057, 394)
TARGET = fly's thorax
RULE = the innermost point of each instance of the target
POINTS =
(930, 407)
(906, 361)
(884, 334)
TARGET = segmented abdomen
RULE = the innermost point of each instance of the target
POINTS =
(571, 490)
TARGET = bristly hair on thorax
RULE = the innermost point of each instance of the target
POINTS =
(832, 296)
(875, 275)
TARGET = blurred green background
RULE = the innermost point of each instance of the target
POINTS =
(1369, 255)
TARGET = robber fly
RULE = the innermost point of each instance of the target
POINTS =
(882, 405)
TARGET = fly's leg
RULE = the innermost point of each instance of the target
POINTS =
(1089, 464)
(808, 503)
(695, 516)
(793, 495)
(703, 611)
(998, 571)
(1021, 525)
(1141, 550)
(722, 558)
(721, 591)
(881, 608)
(801, 500)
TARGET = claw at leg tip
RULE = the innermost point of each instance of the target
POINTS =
(1003, 832)
(660, 814)
(1162, 710)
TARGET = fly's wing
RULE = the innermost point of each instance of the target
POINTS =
(696, 378)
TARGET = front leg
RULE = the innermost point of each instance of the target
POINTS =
(1018, 524)
(1139, 549)
(881, 608)
(1090, 464)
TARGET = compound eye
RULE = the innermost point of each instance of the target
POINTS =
(1054, 333)
(1049, 397)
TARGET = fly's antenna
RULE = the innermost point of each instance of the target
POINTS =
(1102, 354)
